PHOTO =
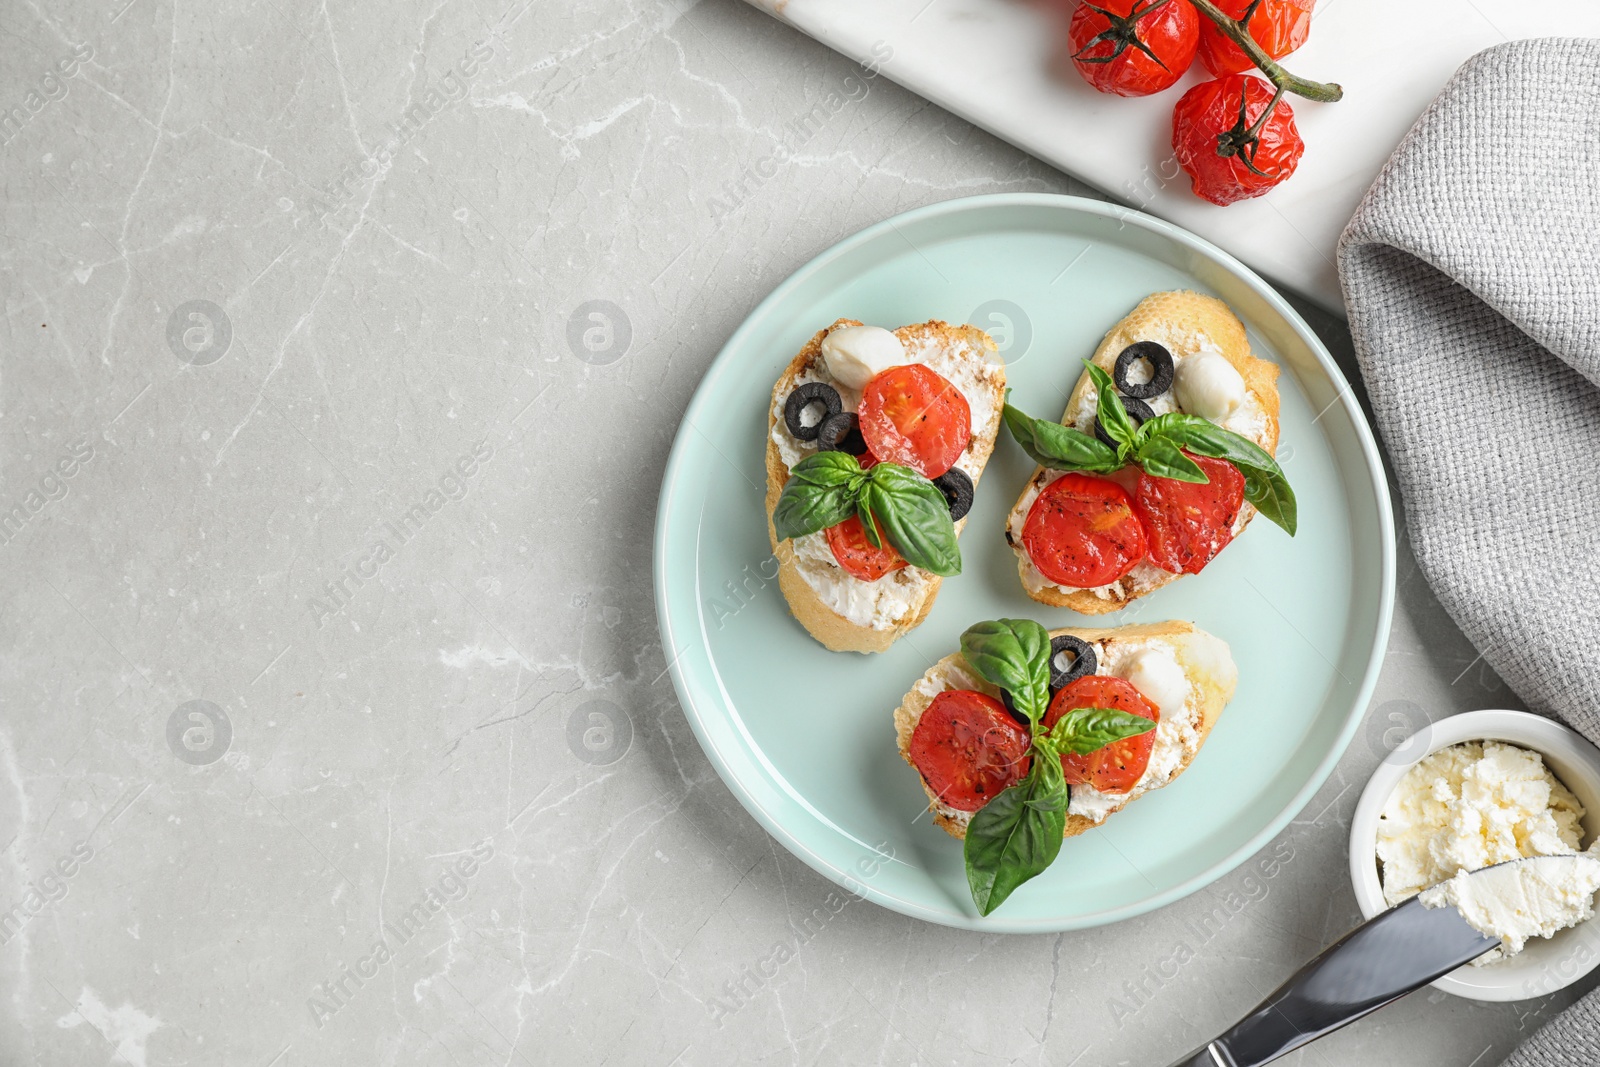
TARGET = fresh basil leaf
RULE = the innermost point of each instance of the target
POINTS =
(1059, 447)
(1113, 414)
(1270, 493)
(1084, 730)
(1265, 485)
(868, 526)
(1208, 439)
(1013, 654)
(827, 468)
(821, 491)
(1048, 760)
(804, 510)
(1162, 459)
(914, 516)
(1015, 836)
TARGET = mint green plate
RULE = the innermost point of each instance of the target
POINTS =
(805, 737)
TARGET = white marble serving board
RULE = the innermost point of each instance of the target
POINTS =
(998, 64)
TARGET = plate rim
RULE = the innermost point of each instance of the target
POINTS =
(674, 650)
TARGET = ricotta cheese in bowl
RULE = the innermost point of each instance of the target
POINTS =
(1475, 790)
(1474, 805)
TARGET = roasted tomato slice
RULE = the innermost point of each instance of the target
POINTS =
(913, 416)
(1190, 523)
(968, 749)
(1115, 768)
(856, 554)
(1082, 532)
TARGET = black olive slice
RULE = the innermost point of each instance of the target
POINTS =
(803, 397)
(1160, 361)
(841, 433)
(1138, 411)
(957, 489)
(1082, 659)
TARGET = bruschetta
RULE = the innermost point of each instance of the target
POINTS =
(1027, 737)
(868, 422)
(1115, 512)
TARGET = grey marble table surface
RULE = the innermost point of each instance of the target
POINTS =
(324, 541)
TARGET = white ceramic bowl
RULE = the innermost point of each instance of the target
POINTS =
(1544, 966)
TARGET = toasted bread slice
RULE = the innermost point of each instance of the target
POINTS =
(1186, 323)
(1207, 665)
(843, 612)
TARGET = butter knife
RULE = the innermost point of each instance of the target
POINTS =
(1377, 963)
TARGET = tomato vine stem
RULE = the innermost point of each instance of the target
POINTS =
(1122, 31)
(1245, 141)
(1235, 31)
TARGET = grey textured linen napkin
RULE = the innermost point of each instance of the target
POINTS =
(1471, 273)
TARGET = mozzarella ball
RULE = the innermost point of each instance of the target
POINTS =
(1155, 673)
(1206, 384)
(855, 353)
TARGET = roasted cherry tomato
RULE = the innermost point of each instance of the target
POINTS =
(1189, 523)
(1230, 143)
(1118, 766)
(1278, 26)
(856, 554)
(968, 749)
(1133, 47)
(1082, 532)
(913, 416)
